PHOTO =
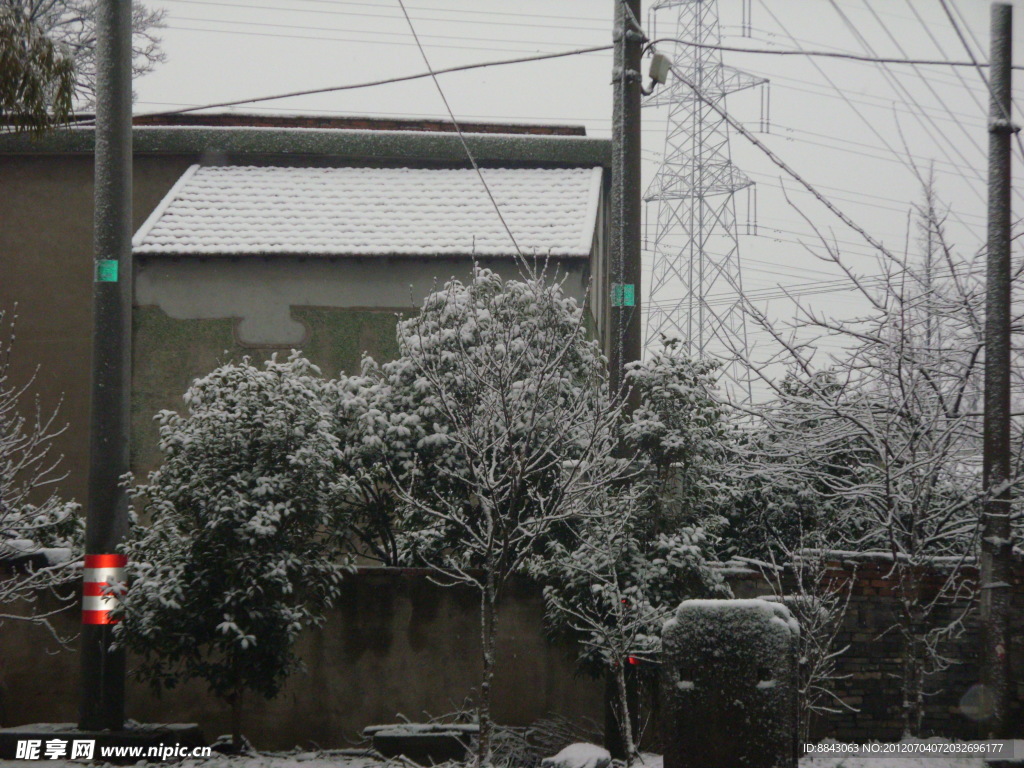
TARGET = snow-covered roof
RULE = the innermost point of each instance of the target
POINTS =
(262, 210)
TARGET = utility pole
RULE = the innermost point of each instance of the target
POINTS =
(996, 552)
(103, 670)
(624, 342)
(624, 339)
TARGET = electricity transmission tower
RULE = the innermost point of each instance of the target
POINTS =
(696, 283)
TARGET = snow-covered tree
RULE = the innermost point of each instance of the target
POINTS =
(775, 505)
(234, 547)
(498, 412)
(680, 438)
(40, 534)
(71, 25)
(37, 75)
(888, 434)
(611, 585)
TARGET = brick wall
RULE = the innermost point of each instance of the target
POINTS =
(871, 664)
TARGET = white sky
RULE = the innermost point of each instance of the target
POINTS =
(833, 133)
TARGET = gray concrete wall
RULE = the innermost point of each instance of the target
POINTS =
(396, 643)
(46, 269)
(260, 293)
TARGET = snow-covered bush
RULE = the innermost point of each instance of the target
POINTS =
(612, 581)
(40, 533)
(681, 438)
(781, 503)
(233, 550)
(729, 680)
(498, 421)
(364, 493)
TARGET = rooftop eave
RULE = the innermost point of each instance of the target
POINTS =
(154, 253)
(341, 144)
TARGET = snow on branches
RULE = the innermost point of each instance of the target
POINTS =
(498, 413)
(40, 534)
(611, 584)
(888, 435)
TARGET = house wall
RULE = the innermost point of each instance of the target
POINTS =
(191, 315)
(46, 225)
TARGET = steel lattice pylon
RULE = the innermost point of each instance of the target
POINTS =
(696, 283)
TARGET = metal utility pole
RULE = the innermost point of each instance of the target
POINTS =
(624, 339)
(996, 552)
(103, 670)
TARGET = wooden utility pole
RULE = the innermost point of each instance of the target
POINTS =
(996, 551)
(103, 670)
(624, 339)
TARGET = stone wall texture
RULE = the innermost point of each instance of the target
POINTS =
(870, 667)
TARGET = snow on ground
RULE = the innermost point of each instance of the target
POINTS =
(293, 760)
(339, 759)
(892, 762)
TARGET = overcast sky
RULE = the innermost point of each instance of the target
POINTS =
(847, 126)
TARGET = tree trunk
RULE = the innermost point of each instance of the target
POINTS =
(236, 723)
(488, 625)
(625, 720)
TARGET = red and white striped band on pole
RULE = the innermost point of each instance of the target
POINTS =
(101, 571)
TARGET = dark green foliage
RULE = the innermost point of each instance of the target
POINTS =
(240, 552)
(37, 77)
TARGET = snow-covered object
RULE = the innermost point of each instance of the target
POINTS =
(40, 533)
(239, 555)
(579, 755)
(730, 682)
(236, 209)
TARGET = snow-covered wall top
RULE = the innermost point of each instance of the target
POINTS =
(261, 210)
(388, 146)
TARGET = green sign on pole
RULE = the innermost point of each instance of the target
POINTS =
(623, 295)
(106, 270)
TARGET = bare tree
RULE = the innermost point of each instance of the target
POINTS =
(889, 430)
(612, 587)
(71, 24)
(40, 534)
(503, 376)
(808, 583)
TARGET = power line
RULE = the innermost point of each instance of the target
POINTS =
(978, 66)
(921, 117)
(820, 54)
(274, 25)
(942, 52)
(458, 129)
(873, 242)
(971, 137)
(363, 14)
(459, 10)
(842, 94)
(372, 83)
(341, 39)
